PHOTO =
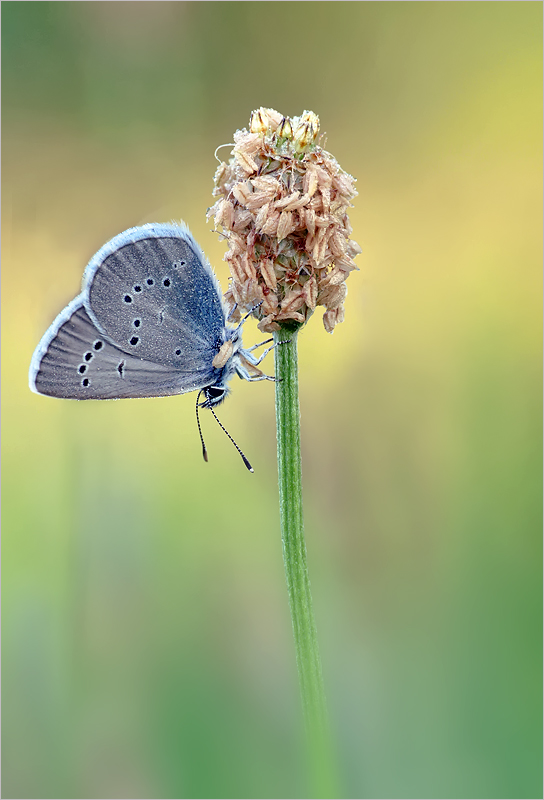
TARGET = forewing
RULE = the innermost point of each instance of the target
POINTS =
(75, 360)
(153, 293)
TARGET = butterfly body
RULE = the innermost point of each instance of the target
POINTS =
(149, 322)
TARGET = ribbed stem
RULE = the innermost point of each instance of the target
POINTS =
(296, 570)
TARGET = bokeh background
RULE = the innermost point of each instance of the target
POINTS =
(146, 636)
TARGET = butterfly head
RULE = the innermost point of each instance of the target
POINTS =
(213, 395)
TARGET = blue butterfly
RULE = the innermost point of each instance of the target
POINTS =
(149, 322)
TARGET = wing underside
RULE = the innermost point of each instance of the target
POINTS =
(76, 360)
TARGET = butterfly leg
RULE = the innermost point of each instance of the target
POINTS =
(249, 313)
(255, 346)
(256, 361)
(243, 373)
(231, 312)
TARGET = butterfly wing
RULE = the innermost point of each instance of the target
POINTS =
(76, 360)
(153, 293)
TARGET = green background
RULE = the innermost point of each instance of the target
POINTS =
(147, 647)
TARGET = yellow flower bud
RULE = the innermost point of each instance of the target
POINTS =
(285, 131)
(306, 131)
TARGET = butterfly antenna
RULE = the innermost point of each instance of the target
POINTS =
(244, 459)
(204, 451)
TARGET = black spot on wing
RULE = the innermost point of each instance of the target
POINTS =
(163, 283)
(60, 368)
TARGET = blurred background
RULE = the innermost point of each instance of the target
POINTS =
(147, 648)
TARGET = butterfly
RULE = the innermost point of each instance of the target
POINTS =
(149, 322)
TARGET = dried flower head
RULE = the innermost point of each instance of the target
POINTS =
(282, 206)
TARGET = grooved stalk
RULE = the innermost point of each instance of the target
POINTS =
(296, 570)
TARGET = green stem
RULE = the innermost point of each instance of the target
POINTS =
(296, 570)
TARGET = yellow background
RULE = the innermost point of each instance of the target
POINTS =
(146, 637)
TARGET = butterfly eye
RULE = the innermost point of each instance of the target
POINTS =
(215, 392)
